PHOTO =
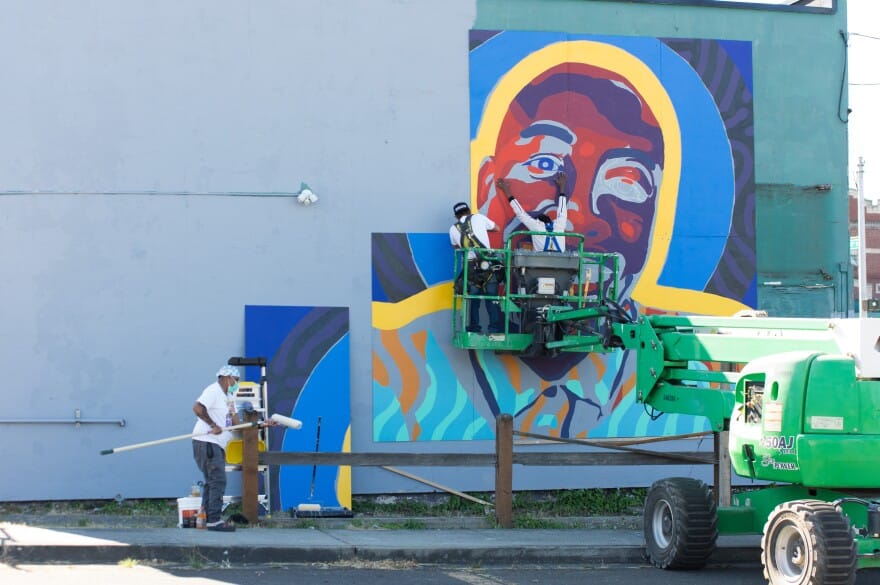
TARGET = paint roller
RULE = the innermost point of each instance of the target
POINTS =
(286, 421)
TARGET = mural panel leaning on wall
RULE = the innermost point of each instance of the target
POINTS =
(308, 374)
(656, 139)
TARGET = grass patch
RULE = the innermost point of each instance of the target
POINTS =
(408, 524)
(546, 504)
(586, 502)
(196, 561)
(532, 522)
(138, 507)
(403, 524)
(431, 505)
(115, 507)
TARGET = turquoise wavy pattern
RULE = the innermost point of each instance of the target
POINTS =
(449, 408)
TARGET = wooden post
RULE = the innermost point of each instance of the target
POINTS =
(504, 470)
(249, 461)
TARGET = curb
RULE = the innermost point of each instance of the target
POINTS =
(285, 522)
(171, 554)
(243, 555)
(598, 542)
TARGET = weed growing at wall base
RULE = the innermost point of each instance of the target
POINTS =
(535, 509)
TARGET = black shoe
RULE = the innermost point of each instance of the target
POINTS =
(220, 526)
(474, 329)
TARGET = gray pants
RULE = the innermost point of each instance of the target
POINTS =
(211, 460)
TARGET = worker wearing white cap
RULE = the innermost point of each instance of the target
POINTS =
(215, 410)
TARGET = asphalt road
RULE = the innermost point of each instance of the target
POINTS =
(383, 573)
(369, 574)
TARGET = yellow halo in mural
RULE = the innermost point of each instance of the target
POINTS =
(636, 72)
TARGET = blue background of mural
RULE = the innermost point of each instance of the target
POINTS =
(325, 393)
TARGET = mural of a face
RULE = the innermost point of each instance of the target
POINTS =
(594, 126)
(655, 138)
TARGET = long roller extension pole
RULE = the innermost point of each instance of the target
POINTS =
(172, 439)
(282, 420)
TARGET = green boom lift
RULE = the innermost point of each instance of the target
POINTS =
(796, 401)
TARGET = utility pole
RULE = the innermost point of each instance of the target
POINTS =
(863, 264)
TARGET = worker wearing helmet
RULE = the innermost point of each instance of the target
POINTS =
(215, 410)
(470, 230)
(542, 222)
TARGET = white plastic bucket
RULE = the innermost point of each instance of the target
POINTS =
(187, 511)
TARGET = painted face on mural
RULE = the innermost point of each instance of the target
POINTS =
(593, 125)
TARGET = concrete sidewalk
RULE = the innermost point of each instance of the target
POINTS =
(25, 543)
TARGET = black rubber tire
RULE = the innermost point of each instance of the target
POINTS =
(808, 542)
(681, 523)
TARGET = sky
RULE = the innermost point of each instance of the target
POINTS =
(863, 18)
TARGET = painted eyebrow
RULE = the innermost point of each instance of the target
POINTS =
(539, 129)
(633, 154)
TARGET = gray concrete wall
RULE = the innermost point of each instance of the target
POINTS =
(122, 297)
(142, 145)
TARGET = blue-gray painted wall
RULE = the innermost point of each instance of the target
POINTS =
(133, 132)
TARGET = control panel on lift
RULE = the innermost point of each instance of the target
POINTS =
(549, 301)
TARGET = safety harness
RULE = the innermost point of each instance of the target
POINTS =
(483, 266)
(466, 233)
(550, 238)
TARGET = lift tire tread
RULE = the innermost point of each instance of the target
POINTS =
(692, 523)
(831, 548)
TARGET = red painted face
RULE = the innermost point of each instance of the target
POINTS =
(592, 125)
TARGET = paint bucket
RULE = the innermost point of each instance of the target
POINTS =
(235, 451)
(187, 511)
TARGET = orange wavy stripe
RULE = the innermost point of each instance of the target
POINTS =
(380, 372)
(409, 375)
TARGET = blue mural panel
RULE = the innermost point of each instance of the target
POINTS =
(308, 376)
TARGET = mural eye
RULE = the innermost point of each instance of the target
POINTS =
(625, 178)
(542, 166)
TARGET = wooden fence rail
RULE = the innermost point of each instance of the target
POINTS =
(545, 458)
(503, 459)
